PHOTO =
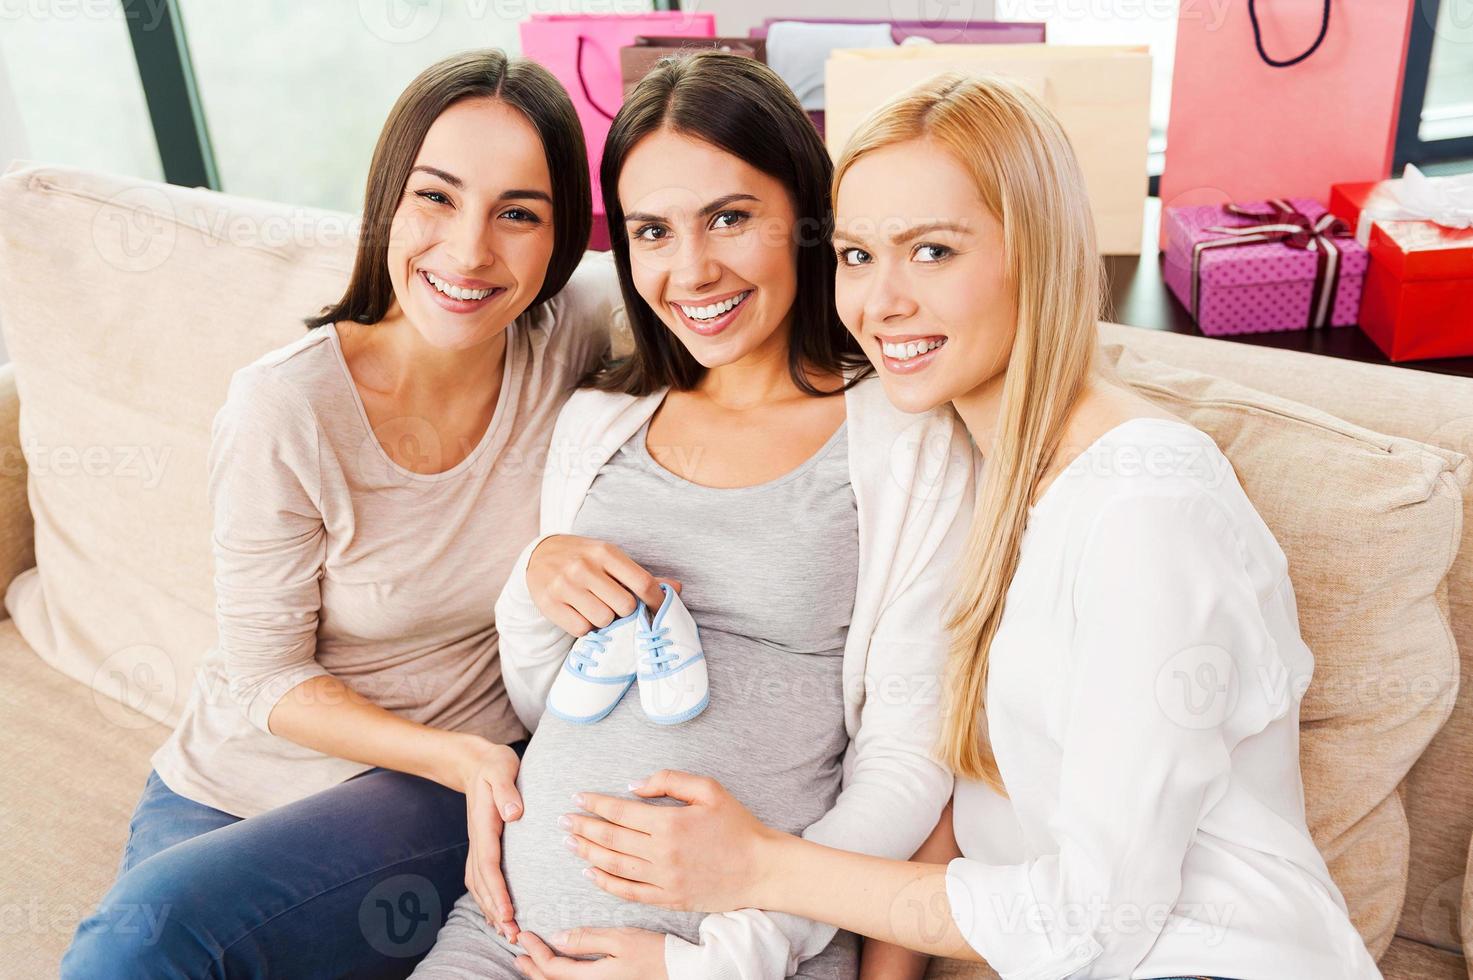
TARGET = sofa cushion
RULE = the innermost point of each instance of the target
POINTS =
(126, 307)
(1465, 919)
(75, 764)
(1430, 408)
(1369, 524)
(1408, 959)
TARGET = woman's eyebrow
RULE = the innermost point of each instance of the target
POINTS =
(525, 194)
(515, 193)
(721, 203)
(915, 231)
(897, 236)
(447, 177)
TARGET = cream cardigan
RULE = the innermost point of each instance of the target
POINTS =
(913, 478)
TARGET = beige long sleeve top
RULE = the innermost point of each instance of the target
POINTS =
(330, 558)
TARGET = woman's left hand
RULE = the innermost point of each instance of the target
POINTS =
(628, 954)
(705, 856)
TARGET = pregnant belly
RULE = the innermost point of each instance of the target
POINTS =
(778, 749)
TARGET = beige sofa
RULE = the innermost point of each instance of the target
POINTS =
(126, 306)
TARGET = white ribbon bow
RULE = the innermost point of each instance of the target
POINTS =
(1447, 201)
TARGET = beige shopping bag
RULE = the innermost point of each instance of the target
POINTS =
(1101, 95)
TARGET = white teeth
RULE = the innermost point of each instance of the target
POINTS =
(456, 292)
(913, 348)
(715, 309)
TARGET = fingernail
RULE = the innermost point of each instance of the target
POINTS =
(561, 937)
(588, 873)
(570, 843)
(510, 810)
(578, 800)
(637, 784)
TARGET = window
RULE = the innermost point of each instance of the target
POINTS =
(1447, 110)
(295, 93)
(68, 77)
(1436, 121)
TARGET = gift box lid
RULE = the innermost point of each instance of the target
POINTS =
(1423, 249)
(1255, 263)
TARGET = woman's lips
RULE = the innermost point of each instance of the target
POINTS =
(910, 365)
(458, 305)
(710, 328)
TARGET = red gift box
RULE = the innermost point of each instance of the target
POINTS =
(1418, 298)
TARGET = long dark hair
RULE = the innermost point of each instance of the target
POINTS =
(739, 106)
(523, 85)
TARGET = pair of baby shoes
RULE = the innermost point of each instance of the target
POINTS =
(662, 653)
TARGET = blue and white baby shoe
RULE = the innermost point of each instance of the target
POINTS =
(597, 671)
(672, 666)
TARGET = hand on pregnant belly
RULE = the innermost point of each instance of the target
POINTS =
(487, 774)
(628, 954)
(583, 584)
(705, 856)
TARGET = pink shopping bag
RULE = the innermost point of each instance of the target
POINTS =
(582, 50)
(1282, 98)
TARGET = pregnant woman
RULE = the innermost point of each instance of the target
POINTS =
(1104, 824)
(372, 484)
(744, 451)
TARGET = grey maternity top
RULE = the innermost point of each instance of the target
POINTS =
(769, 573)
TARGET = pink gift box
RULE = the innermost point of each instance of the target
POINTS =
(1257, 287)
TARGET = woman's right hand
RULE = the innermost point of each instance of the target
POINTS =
(582, 584)
(487, 773)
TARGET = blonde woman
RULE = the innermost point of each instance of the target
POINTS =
(1121, 705)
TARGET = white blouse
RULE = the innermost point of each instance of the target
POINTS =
(1143, 705)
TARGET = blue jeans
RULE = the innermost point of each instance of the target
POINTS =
(354, 881)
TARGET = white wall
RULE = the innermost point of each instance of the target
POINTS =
(12, 132)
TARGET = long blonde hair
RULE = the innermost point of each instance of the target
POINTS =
(1028, 177)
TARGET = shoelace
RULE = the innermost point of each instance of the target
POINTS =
(585, 652)
(657, 655)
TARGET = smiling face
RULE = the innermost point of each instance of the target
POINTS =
(712, 246)
(472, 236)
(921, 282)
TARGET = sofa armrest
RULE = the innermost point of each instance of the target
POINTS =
(17, 539)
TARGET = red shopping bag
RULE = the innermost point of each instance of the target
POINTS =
(1282, 98)
(582, 50)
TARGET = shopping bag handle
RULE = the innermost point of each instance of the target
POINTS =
(583, 83)
(1258, 38)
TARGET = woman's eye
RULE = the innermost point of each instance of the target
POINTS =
(650, 233)
(931, 253)
(853, 256)
(434, 197)
(729, 219)
(521, 214)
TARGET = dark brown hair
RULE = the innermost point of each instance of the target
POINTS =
(739, 106)
(525, 86)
